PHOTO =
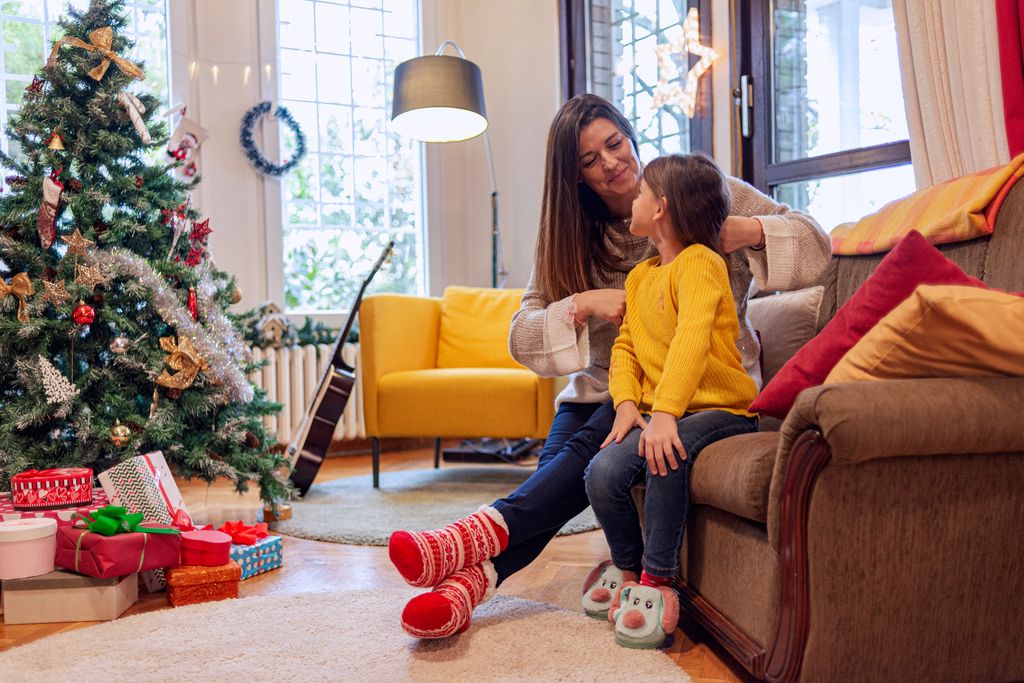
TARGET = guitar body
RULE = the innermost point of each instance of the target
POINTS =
(310, 446)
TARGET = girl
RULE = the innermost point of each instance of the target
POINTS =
(675, 361)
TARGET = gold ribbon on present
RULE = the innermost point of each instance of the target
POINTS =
(100, 41)
(21, 287)
(184, 359)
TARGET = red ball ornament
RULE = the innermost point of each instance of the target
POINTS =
(83, 314)
(193, 304)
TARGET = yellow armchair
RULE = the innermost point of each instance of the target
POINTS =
(440, 367)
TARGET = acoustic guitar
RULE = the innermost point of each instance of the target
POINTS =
(314, 437)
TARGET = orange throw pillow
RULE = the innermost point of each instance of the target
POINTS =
(941, 331)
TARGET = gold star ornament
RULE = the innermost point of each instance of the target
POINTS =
(668, 90)
(89, 276)
(55, 293)
(77, 244)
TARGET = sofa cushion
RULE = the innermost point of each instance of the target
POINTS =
(941, 331)
(459, 402)
(734, 474)
(913, 262)
(474, 327)
(784, 323)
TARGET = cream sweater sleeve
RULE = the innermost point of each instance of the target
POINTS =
(544, 338)
(797, 249)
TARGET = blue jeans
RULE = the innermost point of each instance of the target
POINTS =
(618, 467)
(555, 493)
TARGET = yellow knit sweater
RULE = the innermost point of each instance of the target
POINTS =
(676, 350)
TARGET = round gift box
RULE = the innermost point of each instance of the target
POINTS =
(27, 547)
(206, 548)
(51, 489)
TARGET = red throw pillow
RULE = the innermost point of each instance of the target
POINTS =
(911, 263)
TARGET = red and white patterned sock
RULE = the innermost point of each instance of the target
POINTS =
(425, 558)
(446, 610)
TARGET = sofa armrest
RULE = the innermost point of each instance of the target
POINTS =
(396, 332)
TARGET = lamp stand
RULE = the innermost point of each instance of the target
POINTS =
(498, 273)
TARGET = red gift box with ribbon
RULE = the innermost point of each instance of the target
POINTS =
(115, 543)
(51, 489)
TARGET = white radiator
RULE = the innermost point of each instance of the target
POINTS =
(292, 377)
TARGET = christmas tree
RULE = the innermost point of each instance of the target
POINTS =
(114, 333)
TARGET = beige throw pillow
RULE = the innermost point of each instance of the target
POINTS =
(785, 322)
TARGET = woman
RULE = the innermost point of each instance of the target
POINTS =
(566, 325)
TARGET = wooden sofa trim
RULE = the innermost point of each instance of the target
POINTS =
(736, 642)
(810, 454)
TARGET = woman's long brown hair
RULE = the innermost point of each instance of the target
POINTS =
(573, 218)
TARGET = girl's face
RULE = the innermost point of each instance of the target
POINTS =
(608, 164)
(645, 207)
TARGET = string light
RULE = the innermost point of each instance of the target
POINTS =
(668, 91)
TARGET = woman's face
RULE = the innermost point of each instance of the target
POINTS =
(608, 164)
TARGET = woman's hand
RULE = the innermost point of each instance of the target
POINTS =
(739, 232)
(607, 304)
(626, 417)
(657, 442)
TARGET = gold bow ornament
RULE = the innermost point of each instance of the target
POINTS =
(21, 287)
(100, 41)
(184, 359)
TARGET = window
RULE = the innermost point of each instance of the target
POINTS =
(359, 185)
(614, 51)
(829, 132)
(29, 27)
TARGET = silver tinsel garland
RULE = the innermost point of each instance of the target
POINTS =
(217, 341)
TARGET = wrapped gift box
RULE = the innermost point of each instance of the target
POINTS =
(205, 547)
(64, 596)
(145, 484)
(51, 489)
(64, 517)
(266, 554)
(27, 547)
(93, 554)
(188, 585)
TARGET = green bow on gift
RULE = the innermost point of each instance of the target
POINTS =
(113, 519)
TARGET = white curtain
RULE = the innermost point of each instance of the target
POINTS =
(949, 65)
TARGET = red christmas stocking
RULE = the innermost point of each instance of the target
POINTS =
(446, 610)
(52, 190)
(424, 558)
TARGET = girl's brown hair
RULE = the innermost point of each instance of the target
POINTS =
(697, 194)
(573, 219)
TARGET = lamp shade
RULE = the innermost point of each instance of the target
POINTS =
(438, 98)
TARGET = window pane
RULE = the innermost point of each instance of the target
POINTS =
(624, 35)
(844, 198)
(835, 79)
(359, 185)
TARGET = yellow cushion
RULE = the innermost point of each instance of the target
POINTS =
(499, 402)
(941, 331)
(474, 327)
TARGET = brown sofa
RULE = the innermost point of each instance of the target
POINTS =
(879, 534)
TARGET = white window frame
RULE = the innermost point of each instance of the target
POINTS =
(268, 139)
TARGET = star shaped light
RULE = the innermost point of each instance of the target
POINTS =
(668, 91)
(89, 276)
(77, 244)
(55, 293)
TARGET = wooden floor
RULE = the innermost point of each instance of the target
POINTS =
(555, 577)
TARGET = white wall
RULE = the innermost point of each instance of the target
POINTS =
(216, 69)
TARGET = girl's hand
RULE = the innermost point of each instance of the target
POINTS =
(739, 232)
(607, 304)
(626, 417)
(657, 441)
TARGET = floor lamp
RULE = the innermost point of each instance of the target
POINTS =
(439, 98)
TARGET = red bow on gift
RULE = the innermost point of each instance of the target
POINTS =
(243, 534)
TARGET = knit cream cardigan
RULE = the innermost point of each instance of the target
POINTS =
(544, 338)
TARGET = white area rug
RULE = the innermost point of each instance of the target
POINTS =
(344, 636)
(351, 511)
